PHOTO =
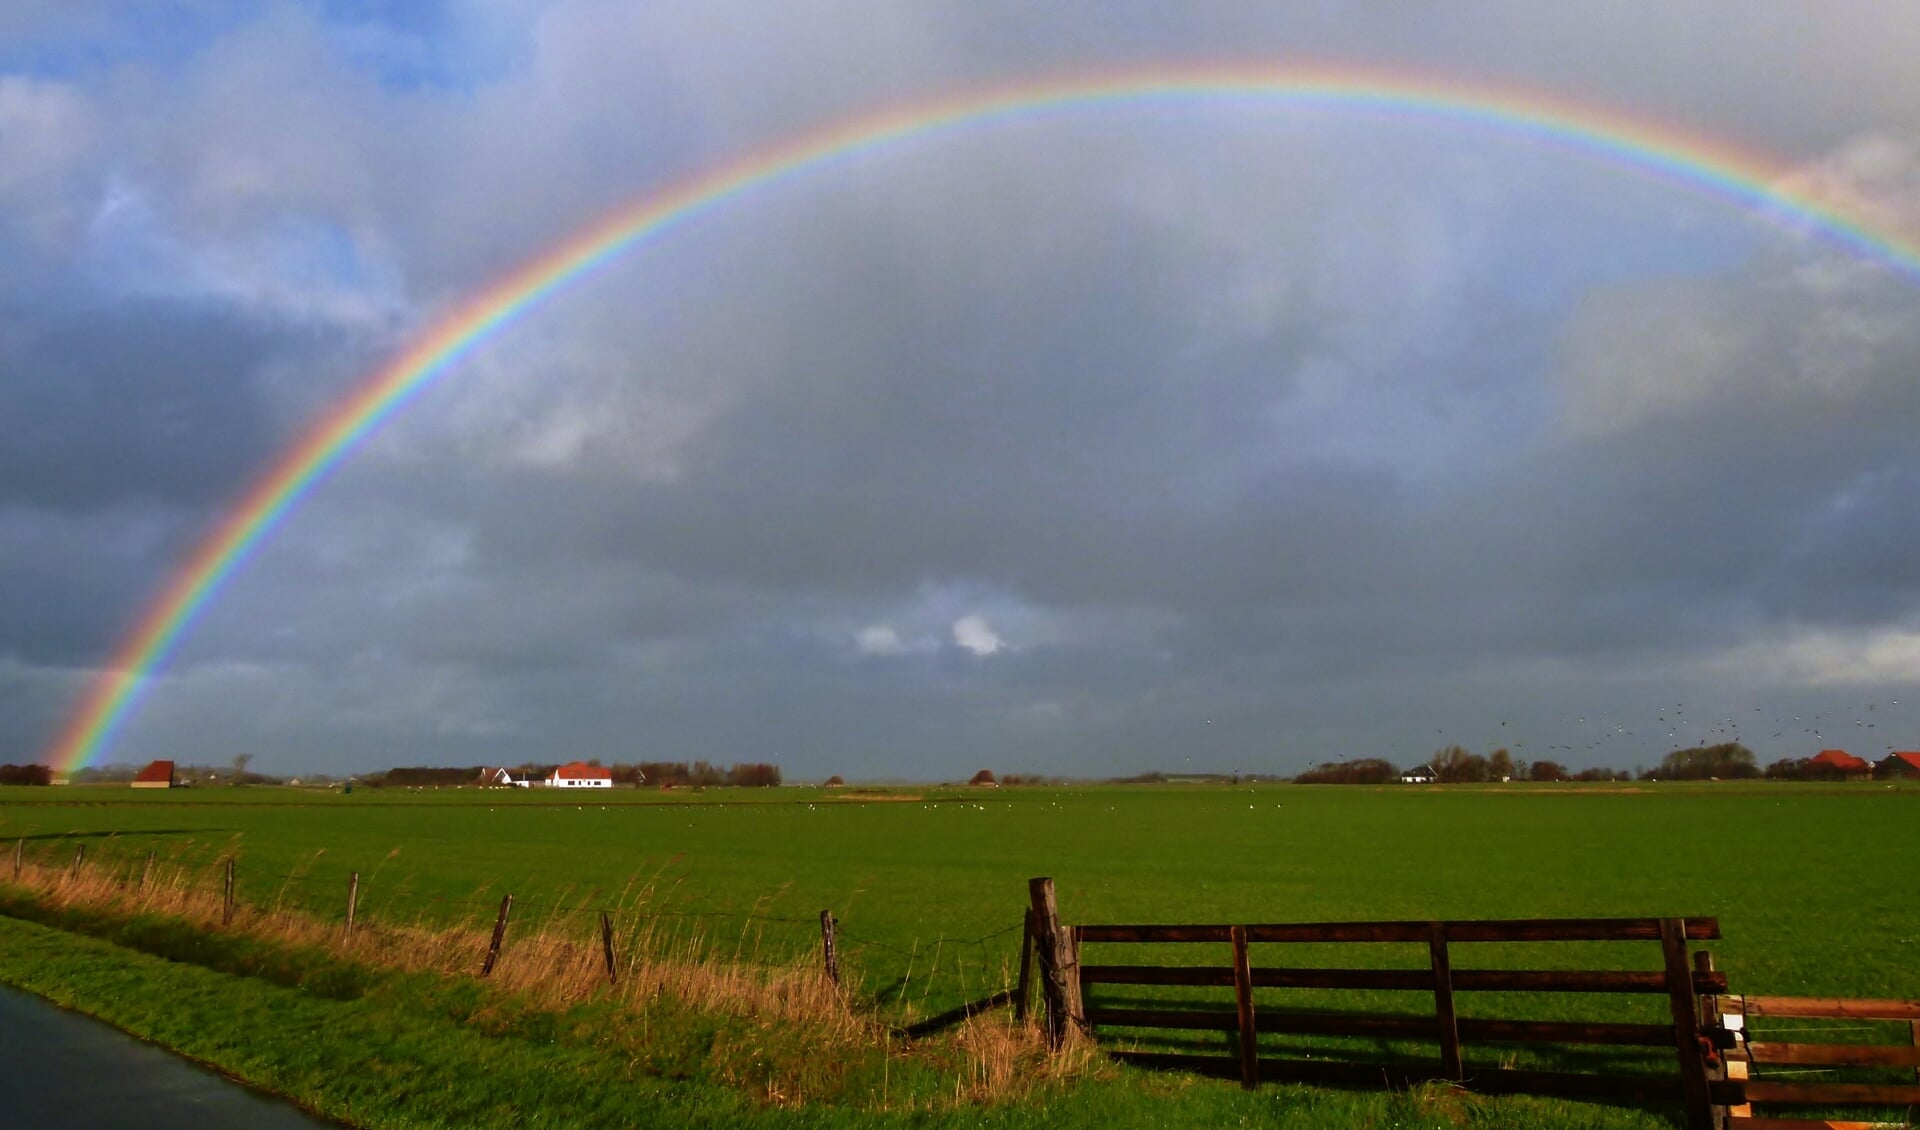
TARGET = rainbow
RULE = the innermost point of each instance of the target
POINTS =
(1707, 167)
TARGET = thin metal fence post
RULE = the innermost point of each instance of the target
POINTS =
(353, 901)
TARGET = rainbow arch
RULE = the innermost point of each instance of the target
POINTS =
(1705, 166)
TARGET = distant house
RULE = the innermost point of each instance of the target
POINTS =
(580, 775)
(157, 775)
(1419, 775)
(1839, 763)
(984, 779)
(1898, 765)
(499, 778)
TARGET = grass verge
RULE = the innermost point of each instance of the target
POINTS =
(377, 1043)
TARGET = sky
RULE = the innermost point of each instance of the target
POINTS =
(1202, 437)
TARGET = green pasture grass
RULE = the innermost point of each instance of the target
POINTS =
(1811, 883)
(407, 1051)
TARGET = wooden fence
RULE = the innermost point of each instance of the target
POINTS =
(1068, 977)
(1750, 1056)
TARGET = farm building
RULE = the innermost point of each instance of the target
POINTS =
(1419, 775)
(1898, 765)
(580, 775)
(157, 775)
(1840, 763)
(499, 778)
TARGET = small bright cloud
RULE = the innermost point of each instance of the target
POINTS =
(976, 635)
(879, 639)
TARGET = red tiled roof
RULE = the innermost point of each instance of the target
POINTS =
(156, 771)
(1912, 759)
(1842, 760)
(580, 770)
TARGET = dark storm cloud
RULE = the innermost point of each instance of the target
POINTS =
(126, 402)
(1227, 438)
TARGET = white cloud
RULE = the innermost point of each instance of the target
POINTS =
(1826, 658)
(46, 131)
(879, 639)
(976, 635)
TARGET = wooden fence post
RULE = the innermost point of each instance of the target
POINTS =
(606, 947)
(1051, 945)
(1443, 1002)
(1913, 1028)
(146, 872)
(19, 849)
(1686, 1025)
(1708, 1006)
(79, 853)
(1243, 1000)
(1076, 1009)
(226, 910)
(499, 935)
(1023, 989)
(353, 901)
(828, 958)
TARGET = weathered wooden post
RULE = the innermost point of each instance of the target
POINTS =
(19, 849)
(1443, 1000)
(146, 872)
(1695, 1095)
(226, 894)
(1707, 1008)
(606, 947)
(79, 853)
(499, 935)
(1023, 989)
(1243, 1005)
(828, 958)
(353, 901)
(1052, 945)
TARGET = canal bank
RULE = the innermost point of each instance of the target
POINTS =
(65, 1071)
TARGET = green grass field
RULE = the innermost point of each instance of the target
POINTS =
(1812, 884)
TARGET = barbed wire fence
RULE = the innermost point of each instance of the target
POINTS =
(908, 976)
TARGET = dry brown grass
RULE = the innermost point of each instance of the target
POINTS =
(555, 960)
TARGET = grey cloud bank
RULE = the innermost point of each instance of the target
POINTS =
(1084, 445)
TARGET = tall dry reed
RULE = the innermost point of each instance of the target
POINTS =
(554, 959)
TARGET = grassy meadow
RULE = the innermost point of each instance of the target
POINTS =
(1811, 884)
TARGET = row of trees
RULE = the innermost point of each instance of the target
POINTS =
(662, 774)
(1456, 764)
(679, 774)
(25, 775)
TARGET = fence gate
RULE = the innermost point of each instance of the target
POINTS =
(1078, 977)
(1769, 1062)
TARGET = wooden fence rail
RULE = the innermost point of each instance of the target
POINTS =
(1748, 1056)
(1683, 985)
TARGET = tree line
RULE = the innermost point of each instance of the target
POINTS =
(25, 775)
(1451, 765)
(1727, 761)
(658, 774)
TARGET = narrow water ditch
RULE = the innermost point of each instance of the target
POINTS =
(66, 1071)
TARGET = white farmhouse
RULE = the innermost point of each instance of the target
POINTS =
(580, 775)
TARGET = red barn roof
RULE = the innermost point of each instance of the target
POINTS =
(1912, 759)
(1842, 760)
(158, 771)
(581, 771)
